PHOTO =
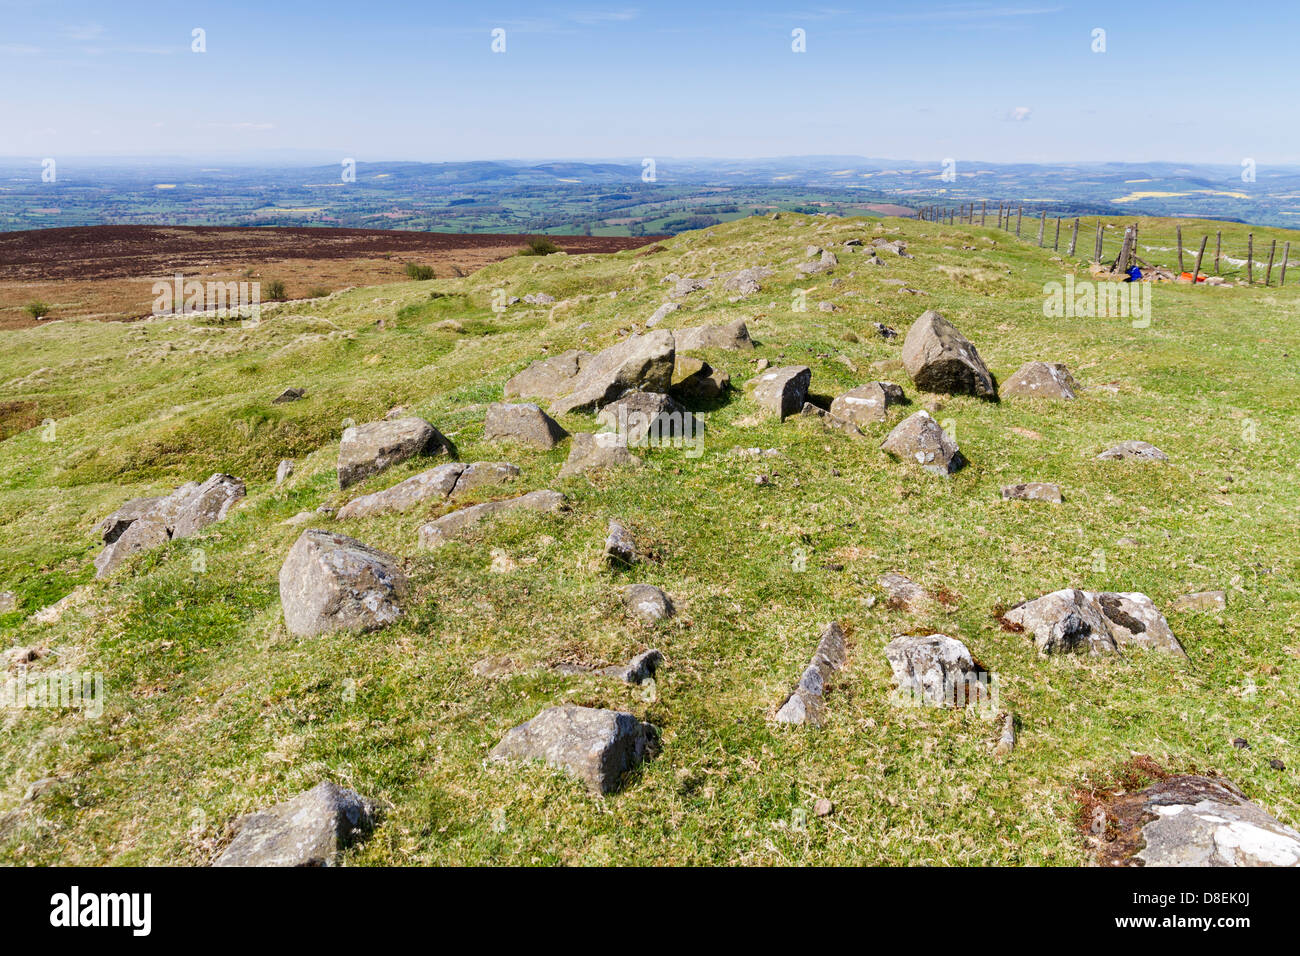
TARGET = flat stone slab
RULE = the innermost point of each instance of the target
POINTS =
(547, 378)
(1192, 820)
(312, 829)
(1133, 451)
(445, 481)
(1202, 601)
(597, 746)
(330, 582)
(441, 530)
(368, 449)
(733, 336)
(1033, 491)
(867, 404)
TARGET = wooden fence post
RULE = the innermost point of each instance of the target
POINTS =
(1272, 251)
(1179, 232)
(1042, 223)
(1020, 214)
(984, 208)
(1250, 258)
(1096, 257)
(1286, 254)
(1201, 252)
(1218, 243)
(1056, 243)
(1074, 235)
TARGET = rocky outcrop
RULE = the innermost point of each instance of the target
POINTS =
(807, 705)
(330, 582)
(1040, 380)
(1071, 621)
(597, 746)
(368, 449)
(312, 829)
(441, 530)
(1191, 820)
(920, 440)
(525, 423)
(941, 359)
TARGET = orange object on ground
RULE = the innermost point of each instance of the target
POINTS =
(1188, 277)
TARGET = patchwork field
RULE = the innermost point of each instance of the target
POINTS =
(213, 709)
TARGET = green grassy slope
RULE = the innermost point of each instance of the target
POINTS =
(214, 710)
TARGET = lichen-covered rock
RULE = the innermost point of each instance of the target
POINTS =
(638, 669)
(597, 746)
(639, 362)
(368, 449)
(902, 592)
(1032, 491)
(206, 504)
(442, 530)
(1133, 451)
(782, 391)
(1071, 621)
(867, 404)
(330, 582)
(445, 481)
(941, 359)
(1040, 380)
(547, 378)
(524, 422)
(620, 548)
(312, 829)
(920, 440)
(111, 528)
(647, 602)
(936, 670)
(733, 336)
(143, 534)
(594, 451)
(806, 704)
(1192, 820)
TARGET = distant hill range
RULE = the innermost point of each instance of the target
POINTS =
(616, 198)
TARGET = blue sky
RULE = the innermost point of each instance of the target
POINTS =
(1004, 80)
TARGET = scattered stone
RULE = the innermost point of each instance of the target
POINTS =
(591, 451)
(206, 504)
(733, 336)
(661, 313)
(1202, 601)
(111, 528)
(330, 582)
(941, 359)
(1134, 450)
(1192, 820)
(639, 362)
(284, 471)
(902, 593)
(441, 530)
(783, 391)
(1033, 491)
(8, 601)
(638, 669)
(445, 481)
(747, 281)
(826, 263)
(1071, 621)
(937, 671)
(547, 378)
(1041, 380)
(688, 285)
(312, 829)
(620, 548)
(144, 534)
(807, 705)
(597, 746)
(1007, 739)
(648, 602)
(823, 808)
(1277, 765)
(525, 423)
(694, 380)
(867, 404)
(639, 417)
(1241, 743)
(371, 448)
(884, 331)
(289, 395)
(539, 298)
(919, 439)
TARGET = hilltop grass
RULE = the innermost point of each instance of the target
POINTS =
(213, 710)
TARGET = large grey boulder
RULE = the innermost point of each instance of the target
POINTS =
(1133, 451)
(451, 525)
(597, 746)
(941, 359)
(312, 829)
(806, 704)
(733, 336)
(597, 451)
(782, 391)
(208, 503)
(641, 362)
(1192, 820)
(445, 481)
(867, 404)
(369, 449)
(111, 528)
(330, 582)
(1071, 621)
(1040, 380)
(525, 423)
(143, 534)
(919, 439)
(934, 671)
(641, 418)
(547, 378)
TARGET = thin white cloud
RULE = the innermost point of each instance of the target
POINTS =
(1020, 114)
